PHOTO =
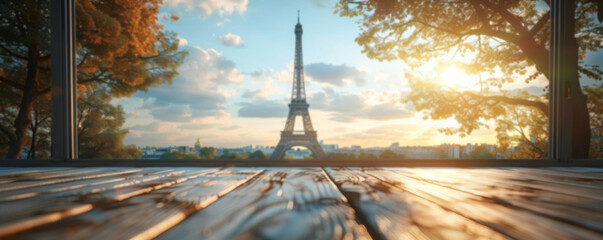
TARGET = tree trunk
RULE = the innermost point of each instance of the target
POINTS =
(580, 116)
(23, 120)
(538, 54)
(34, 131)
(577, 101)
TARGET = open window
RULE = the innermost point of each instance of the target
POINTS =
(383, 80)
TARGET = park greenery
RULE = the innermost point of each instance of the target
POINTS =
(121, 49)
(210, 153)
(503, 41)
(480, 152)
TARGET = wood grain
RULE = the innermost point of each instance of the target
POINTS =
(580, 211)
(116, 178)
(33, 212)
(147, 215)
(504, 218)
(53, 177)
(296, 203)
(395, 214)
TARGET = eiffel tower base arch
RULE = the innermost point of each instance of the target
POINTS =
(289, 140)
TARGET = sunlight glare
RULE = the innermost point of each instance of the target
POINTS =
(455, 77)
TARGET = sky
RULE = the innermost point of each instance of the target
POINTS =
(234, 87)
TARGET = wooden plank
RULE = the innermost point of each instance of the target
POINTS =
(43, 210)
(280, 204)
(394, 213)
(504, 218)
(126, 175)
(23, 215)
(588, 170)
(145, 216)
(578, 211)
(584, 179)
(11, 174)
(53, 177)
(8, 175)
(533, 180)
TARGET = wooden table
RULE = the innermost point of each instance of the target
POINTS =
(300, 203)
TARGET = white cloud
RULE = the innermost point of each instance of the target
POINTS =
(196, 92)
(182, 42)
(335, 75)
(222, 22)
(349, 107)
(263, 92)
(208, 7)
(263, 109)
(320, 3)
(231, 40)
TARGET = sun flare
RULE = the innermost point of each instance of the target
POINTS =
(454, 77)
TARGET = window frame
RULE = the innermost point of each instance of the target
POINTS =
(64, 129)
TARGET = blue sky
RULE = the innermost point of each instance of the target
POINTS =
(234, 87)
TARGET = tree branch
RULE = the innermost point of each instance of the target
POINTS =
(94, 78)
(513, 101)
(13, 54)
(509, 17)
(12, 83)
(541, 22)
(7, 131)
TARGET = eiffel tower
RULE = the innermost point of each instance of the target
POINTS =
(298, 107)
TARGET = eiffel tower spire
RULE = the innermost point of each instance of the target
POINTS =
(298, 107)
(298, 93)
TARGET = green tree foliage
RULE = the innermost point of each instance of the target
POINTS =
(366, 156)
(172, 155)
(390, 155)
(179, 155)
(100, 134)
(208, 152)
(258, 155)
(595, 106)
(502, 39)
(120, 47)
(480, 152)
(340, 156)
(228, 155)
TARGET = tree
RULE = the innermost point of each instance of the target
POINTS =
(340, 156)
(595, 106)
(524, 127)
(388, 155)
(505, 39)
(172, 155)
(208, 152)
(179, 155)
(99, 128)
(366, 156)
(228, 155)
(258, 155)
(480, 152)
(120, 46)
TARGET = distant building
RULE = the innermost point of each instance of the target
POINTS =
(299, 153)
(329, 147)
(198, 144)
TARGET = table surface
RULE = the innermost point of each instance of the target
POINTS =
(300, 203)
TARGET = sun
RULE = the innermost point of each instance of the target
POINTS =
(454, 77)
